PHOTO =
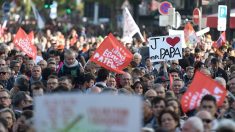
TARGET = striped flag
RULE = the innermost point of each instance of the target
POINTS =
(221, 41)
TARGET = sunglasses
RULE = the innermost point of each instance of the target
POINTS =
(207, 121)
(174, 64)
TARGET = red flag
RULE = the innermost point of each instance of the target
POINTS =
(221, 41)
(24, 43)
(112, 55)
(200, 86)
(189, 34)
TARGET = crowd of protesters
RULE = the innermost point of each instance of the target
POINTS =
(62, 65)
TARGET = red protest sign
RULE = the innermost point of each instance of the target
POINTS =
(200, 86)
(112, 55)
(24, 43)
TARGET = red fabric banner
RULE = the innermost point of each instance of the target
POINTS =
(112, 55)
(24, 43)
(200, 86)
(221, 41)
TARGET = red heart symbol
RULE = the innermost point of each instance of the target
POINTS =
(172, 41)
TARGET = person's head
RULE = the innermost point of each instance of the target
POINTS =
(208, 103)
(51, 63)
(148, 62)
(52, 82)
(107, 90)
(21, 99)
(21, 83)
(66, 82)
(206, 118)
(3, 125)
(175, 104)
(150, 94)
(5, 73)
(147, 109)
(37, 88)
(112, 82)
(174, 73)
(158, 105)
(214, 63)
(24, 122)
(193, 124)
(126, 80)
(70, 57)
(36, 72)
(15, 65)
(205, 71)
(187, 51)
(138, 88)
(5, 99)
(162, 80)
(94, 90)
(225, 125)
(221, 81)
(190, 72)
(231, 85)
(160, 90)
(29, 65)
(169, 120)
(9, 116)
(88, 80)
(42, 64)
(136, 73)
(137, 58)
(103, 75)
(174, 64)
(2, 63)
(177, 85)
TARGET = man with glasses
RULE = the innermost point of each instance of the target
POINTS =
(5, 77)
(208, 103)
(52, 83)
(206, 118)
(5, 100)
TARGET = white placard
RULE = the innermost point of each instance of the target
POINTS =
(203, 31)
(87, 113)
(178, 32)
(164, 48)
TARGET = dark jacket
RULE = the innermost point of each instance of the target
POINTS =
(74, 71)
(220, 73)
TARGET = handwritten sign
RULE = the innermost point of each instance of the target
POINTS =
(112, 55)
(178, 32)
(165, 48)
(87, 113)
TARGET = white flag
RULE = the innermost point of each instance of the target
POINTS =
(40, 22)
(130, 28)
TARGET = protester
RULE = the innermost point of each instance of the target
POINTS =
(64, 63)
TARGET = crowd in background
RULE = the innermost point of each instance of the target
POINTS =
(62, 65)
